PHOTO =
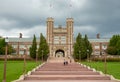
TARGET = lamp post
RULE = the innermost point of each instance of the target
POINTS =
(79, 56)
(88, 55)
(105, 63)
(67, 53)
(24, 69)
(36, 56)
(42, 55)
(5, 60)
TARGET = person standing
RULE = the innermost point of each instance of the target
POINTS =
(64, 62)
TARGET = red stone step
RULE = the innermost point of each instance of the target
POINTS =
(65, 73)
(67, 77)
(62, 67)
(69, 81)
(58, 72)
(64, 70)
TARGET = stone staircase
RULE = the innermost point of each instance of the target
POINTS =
(59, 59)
(73, 72)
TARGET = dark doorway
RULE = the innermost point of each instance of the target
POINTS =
(59, 53)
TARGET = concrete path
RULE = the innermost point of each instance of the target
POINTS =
(73, 72)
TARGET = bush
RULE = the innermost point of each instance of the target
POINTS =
(18, 59)
(112, 50)
(110, 59)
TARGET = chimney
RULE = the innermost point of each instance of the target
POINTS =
(20, 36)
(98, 36)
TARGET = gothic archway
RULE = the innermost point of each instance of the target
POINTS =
(59, 53)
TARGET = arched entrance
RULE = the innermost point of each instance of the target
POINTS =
(59, 53)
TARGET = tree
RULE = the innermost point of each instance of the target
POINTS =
(33, 48)
(81, 46)
(77, 47)
(111, 50)
(114, 45)
(10, 49)
(3, 45)
(88, 46)
(118, 47)
(114, 40)
(43, 48)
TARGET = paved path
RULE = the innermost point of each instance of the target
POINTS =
(57, 72)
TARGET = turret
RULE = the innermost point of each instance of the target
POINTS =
(50, 26)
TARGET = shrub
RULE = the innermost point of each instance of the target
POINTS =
(109, 59)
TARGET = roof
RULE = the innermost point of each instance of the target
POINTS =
(99, 40)
(22, 39)
(37, 39)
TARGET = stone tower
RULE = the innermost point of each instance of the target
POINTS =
(60, 39)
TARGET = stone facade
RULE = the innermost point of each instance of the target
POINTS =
(60, 40)
(98, 45)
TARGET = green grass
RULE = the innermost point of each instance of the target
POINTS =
(15, 69)
(113, 68)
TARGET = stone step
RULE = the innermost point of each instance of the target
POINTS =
(62, 66)
(57, 72)
(69, 81)
(58, 60)
(68, 66)
(67, 77)
(59, 65)
(65, 73)
(63, 69)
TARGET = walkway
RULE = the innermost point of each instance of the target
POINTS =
(57, 72)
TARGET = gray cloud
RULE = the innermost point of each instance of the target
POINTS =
(90, 16)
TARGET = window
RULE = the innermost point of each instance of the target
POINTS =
(22, 46)
(97, 52)
(56, 39)
(63, 39)
(14, 46)
(104, 46)
(97, 47)
(56, 42)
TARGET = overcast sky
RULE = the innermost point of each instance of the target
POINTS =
(29, 16)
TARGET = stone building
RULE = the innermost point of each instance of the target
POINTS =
(99, 46)
(60, 40)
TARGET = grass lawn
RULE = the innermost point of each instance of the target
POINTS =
(15, 69)
(113, 68)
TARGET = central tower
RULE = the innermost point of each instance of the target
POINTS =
(60, 39)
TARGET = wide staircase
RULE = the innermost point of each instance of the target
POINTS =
(59, 59)
(58, 72)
